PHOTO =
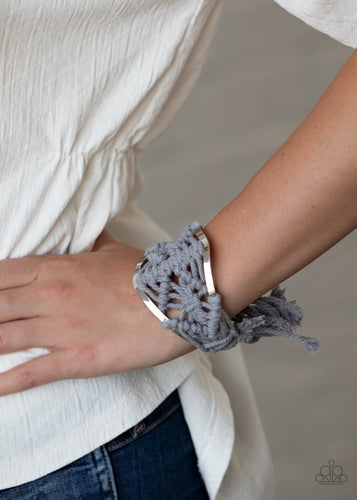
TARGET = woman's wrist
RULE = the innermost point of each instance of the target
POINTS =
(297, 206)
(202, 319)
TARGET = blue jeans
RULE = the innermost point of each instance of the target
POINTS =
(153, 460)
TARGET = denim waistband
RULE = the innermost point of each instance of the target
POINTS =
(168, 406)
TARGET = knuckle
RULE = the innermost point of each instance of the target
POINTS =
(56, 265)
(3, 336)
(63, 290)
(56, 290)
(26, 379)
(49, 264)
(84, 354)
(6, 301)
(67, 322)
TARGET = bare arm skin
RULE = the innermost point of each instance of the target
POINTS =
(298, 205)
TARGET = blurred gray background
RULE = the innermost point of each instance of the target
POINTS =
(265, 71)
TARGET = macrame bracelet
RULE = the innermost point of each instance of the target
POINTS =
(202, 321)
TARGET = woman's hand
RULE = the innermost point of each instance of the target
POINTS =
(84, 309)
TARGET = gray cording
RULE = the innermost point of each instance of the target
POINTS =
(203, 322)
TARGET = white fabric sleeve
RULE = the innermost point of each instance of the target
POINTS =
(335, 18)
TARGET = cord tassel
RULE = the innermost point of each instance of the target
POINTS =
(205, 323)
(279, 318)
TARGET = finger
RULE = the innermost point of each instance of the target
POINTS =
(28, 333)
(20, 271)
(25, 301)
(41, 370)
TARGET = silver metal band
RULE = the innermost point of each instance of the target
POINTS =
(207, 272)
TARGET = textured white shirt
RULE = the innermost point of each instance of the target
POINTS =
(335, 18)
(85, 85)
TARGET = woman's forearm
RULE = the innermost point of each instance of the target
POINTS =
(297, 206)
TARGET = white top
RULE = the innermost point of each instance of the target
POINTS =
(336, 18)
(84, 86)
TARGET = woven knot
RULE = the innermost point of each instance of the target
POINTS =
(203, 322)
